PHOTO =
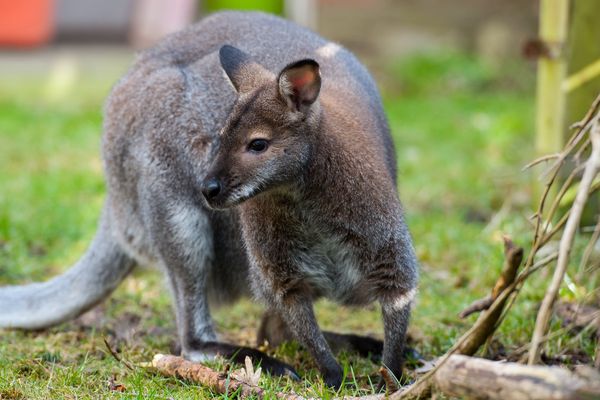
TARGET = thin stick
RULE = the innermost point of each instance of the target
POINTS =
(561, 193)
(588, 250)
(590, 118)
(116, 356)
(566, 243)
(579, 152)
(540, 160)
(512, 261)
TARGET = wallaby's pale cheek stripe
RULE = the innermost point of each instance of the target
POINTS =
(246, 191)
(329, 50)
(404, 300)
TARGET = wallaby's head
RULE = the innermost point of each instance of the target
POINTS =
(267, 139)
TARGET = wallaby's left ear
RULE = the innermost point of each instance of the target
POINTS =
(299, 84)
(244, 73)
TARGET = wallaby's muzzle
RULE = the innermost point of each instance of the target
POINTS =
(213, 191)
(211, 188)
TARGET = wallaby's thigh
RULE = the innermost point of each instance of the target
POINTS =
(183, 234)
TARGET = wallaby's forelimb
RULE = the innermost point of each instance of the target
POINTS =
(395, 323)
(299, 316)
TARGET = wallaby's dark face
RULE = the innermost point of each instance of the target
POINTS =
(267, 139)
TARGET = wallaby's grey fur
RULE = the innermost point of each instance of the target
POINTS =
(310, 211)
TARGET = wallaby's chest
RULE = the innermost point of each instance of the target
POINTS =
(315, 248)
(332, 266)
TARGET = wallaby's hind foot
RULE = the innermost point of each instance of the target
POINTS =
(238, 354)
(274, 331)
(364, 346)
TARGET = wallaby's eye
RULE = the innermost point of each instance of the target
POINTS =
(258, 145)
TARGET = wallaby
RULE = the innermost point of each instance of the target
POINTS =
(283, 135)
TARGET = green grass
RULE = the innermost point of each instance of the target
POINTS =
(462, 131)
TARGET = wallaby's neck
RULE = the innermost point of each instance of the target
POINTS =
(347, 179)
(345, 184)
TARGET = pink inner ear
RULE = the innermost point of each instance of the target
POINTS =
(302, 79)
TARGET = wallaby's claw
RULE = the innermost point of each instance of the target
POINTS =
(278, 368)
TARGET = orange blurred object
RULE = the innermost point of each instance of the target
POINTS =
(26, 23)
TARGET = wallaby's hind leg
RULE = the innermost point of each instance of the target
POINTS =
(197, 336)
(274, 331)
(187, 254)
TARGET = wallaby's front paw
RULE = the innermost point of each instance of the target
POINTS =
(334, 378)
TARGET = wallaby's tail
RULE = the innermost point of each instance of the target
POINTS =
(89, 281)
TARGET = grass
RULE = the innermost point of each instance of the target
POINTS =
(462, 131)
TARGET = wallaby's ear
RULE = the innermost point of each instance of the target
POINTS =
(243, 72)
(300, 83)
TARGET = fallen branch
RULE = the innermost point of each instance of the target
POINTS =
(176, 366)
(423, 384)
(513, 256)
(476, 378)
(169, 365)
(391, 383)
(116, 356)
(512, 260)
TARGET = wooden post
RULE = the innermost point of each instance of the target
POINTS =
(551, 74)
(302, 12)
(583, 67)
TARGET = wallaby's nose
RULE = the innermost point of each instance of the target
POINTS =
(211, 188)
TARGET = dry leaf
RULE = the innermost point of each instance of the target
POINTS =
(114, 386)
(247, 374)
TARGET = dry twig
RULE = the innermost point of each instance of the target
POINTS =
(512, 260)
(116, 356)
(391, 383)
(591, 169)
(513, 256)
(588, 250)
